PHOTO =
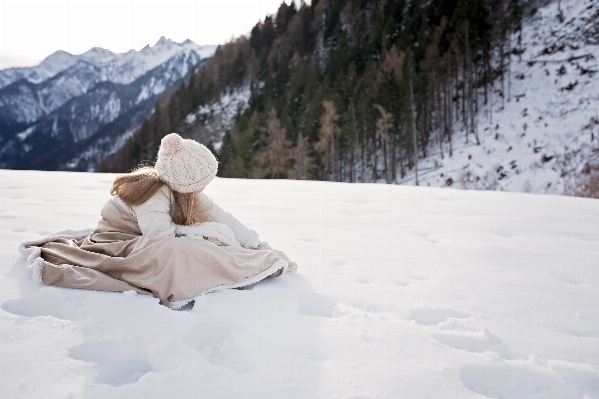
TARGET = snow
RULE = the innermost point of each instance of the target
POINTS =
(218, 116)
(24, 134)
(119, 68)
(53, 64)
(546, 133)
(402, 291)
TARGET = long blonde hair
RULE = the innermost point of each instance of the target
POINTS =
(137, 187)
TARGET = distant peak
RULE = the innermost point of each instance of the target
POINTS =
(57, 58)
(98, 51)
(60, 53)
(163, 40)
(188, 42)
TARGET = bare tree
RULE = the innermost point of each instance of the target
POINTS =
(303, 159)
(328, 134)
(276, 156)
(383, 125)
(431, 65)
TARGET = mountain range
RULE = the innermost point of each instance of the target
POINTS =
(72, 110)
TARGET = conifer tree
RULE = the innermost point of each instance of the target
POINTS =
(410, 68)
(351, 55)
(383, 125)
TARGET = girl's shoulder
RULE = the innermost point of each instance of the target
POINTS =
(161, 200)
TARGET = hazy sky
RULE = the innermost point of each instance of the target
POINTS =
(32, 30)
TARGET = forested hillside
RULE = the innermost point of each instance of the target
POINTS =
(346, 90)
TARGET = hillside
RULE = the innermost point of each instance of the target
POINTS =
(401, 292)
(73, 110)
(489, 95)
(544, 138)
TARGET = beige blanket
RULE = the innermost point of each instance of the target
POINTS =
(116, 257)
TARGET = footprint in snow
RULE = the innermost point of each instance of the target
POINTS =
(338, 264)
(527, 380)
(120, 363)
(47, 302)
(67, 304)
(213, 340)
(314, 304)
(478, 342)
(432, 317)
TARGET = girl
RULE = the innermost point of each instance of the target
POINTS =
(160, 235)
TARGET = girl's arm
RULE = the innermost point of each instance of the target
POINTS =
(153, 216)
(247, 237)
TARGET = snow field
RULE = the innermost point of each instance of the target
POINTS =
(401, 292)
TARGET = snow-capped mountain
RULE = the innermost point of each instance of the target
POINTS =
(118, 68)
(67, 99)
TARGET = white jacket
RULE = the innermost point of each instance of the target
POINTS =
(154, 219)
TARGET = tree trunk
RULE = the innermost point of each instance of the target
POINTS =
(401, 167)
(509, 68)
(414, 138)
(353, 113)
(394, 160)
(364, 143)
(437, 93)
(502, 66)
(388, 172)
(472, 101)
(363, 163)
(424, 129)
(376, 160)
(465, 119)
(491, 102)
(449, 119)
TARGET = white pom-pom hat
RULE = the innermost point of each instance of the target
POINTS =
(185, 165)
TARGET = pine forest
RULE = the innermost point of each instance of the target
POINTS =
(347, 90)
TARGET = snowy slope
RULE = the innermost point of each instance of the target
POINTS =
(543, 138)
(50, 66)
(209, 122)
(402, 292)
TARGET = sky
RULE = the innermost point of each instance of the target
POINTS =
(32, 30)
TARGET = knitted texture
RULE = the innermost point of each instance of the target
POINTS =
(185, 165)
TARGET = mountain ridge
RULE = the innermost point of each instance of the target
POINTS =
(61, 60)
(49, 117)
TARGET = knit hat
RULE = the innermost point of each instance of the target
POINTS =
(185, 165)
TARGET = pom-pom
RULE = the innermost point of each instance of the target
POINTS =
(170, 144)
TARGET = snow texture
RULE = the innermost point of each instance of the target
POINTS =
(401, 292)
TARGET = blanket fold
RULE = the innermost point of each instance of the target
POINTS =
(116, 257)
